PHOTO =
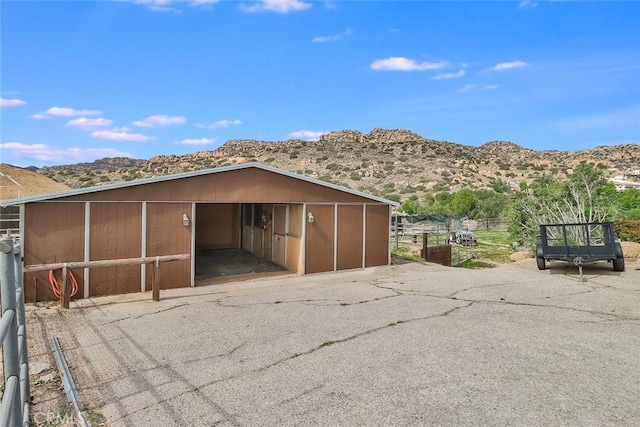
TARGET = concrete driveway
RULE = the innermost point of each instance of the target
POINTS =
(414, 344)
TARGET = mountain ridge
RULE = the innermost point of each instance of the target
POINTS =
(382, 162)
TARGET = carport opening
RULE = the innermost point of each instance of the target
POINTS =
(233, 242)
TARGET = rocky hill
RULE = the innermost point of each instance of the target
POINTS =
(384, 162)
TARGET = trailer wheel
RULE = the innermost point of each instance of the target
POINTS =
(541, 263)
(618, 264)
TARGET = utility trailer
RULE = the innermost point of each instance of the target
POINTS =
(579, 243)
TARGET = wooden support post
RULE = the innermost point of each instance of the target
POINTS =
(64, 289)
(425, 244)
(155, 292)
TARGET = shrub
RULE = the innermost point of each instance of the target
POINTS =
(393, 197)
(628, 230)
(333, 166)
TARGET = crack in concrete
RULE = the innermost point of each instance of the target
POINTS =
(144, 314)
(216, 356)
(453, 297)
(173, 307)
(296, 397)
(361, 334)
(313, 350)
(557, 307)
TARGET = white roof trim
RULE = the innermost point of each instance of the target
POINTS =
(162, 178)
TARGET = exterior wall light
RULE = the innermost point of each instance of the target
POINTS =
(185, 220)
(311, 218)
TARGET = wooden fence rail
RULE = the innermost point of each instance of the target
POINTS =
(65, 266)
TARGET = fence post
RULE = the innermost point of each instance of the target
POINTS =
(25, 388)
(10, 345)
(155, 291)
(64, 289)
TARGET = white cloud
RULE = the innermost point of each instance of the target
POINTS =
(119, 135)
(203, 3)
(157, 5)
(11, 102)
(277, 6)
(306, 135)
(64, 112)
(476, 87)
(166, 5)
(527, 5)
(159, 121)
(508, 65)
(89, 124)
(326, 39)
(196, 141)
(44, 153)
(332, 38)
(445, 76)
(399, 63)
(218, 124)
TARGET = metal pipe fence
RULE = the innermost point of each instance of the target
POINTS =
(16, 399)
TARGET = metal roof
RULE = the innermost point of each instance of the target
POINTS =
(162, 178)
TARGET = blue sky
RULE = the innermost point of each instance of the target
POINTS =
(81, 80)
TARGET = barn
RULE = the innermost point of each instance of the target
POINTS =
(301, 224)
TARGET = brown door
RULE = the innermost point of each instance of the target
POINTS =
(279, 237)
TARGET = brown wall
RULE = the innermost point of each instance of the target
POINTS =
(319, 244)
(167, 236)
(238, 186)
(116, 233)
(349, 237)
(295, 221)
(217, 226)
(377, 239)
(53, 232)
(294, 255)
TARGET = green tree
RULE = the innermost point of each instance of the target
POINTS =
(464, 202)
(628, 202)
(499, 186)
(490, 204)
(585, 197)
(411, 206)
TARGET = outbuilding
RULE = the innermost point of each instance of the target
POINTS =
(299, 223)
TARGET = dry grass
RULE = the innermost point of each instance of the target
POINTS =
(17, 182)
